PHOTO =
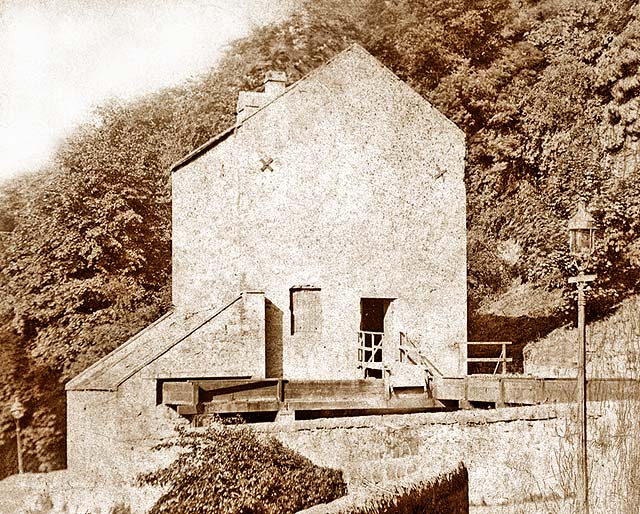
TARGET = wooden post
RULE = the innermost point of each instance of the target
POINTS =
(542, 391)
(466, 360)
(500, 402)
(280, 390)
(19, 447)
(582, 475)
(504, 357)
(388, 387)
(583, 480)
(465, 403)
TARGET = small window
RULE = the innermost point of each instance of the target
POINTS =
(306, 310)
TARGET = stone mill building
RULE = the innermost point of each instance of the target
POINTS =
(319, 263)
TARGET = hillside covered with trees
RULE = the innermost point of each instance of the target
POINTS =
(545, 90)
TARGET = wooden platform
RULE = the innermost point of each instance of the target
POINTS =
(242, 395)
(530, 390)
(272, 395)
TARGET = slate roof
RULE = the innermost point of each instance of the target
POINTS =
(142, 349)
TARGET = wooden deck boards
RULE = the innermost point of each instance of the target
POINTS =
(272, 395)
(238, 395)
(530, 390)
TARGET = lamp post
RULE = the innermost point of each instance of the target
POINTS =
(18, 411)
(581, 244)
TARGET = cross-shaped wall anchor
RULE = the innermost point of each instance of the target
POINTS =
(266, 164)
(440, 173)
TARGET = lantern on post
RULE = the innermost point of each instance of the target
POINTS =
(581, 246)
(582, 229)
(17, 411)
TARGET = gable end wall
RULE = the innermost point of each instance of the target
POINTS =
(350, 204)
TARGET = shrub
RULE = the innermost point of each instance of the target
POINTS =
(231, 470)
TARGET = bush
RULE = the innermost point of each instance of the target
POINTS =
(230, 469)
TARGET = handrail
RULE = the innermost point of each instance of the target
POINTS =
(424, 361)
(498, 360)
(486, 343)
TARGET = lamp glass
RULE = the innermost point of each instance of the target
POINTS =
(581, 241)
(17, 410)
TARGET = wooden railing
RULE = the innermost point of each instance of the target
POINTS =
(369, 347)
(502, 359)
(409, 351)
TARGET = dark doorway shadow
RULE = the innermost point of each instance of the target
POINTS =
(273, 317)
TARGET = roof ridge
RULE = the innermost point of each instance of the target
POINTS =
(228, 131)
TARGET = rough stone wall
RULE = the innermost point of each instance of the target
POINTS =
(446, 493)
(350, 204)
(111, 434)
(510, 453)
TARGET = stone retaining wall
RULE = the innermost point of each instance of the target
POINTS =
(447, 493)
(510, 453)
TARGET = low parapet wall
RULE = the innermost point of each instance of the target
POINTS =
(509, 452)
(446, 493)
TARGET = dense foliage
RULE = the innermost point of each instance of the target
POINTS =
(229, 469)
(545, 90)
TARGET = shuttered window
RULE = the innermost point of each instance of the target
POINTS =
(306, 311)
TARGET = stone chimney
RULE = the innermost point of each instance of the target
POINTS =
(250, 101)
(274, 83)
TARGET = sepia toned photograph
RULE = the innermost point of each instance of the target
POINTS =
(319, 257)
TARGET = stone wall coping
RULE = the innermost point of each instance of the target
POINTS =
(392, 487)
(462, 417)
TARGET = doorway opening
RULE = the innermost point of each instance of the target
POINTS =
(374, 313)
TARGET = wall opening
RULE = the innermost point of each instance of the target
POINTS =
(306, 310)
(374, 321)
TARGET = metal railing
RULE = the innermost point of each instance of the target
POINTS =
(502, 359)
